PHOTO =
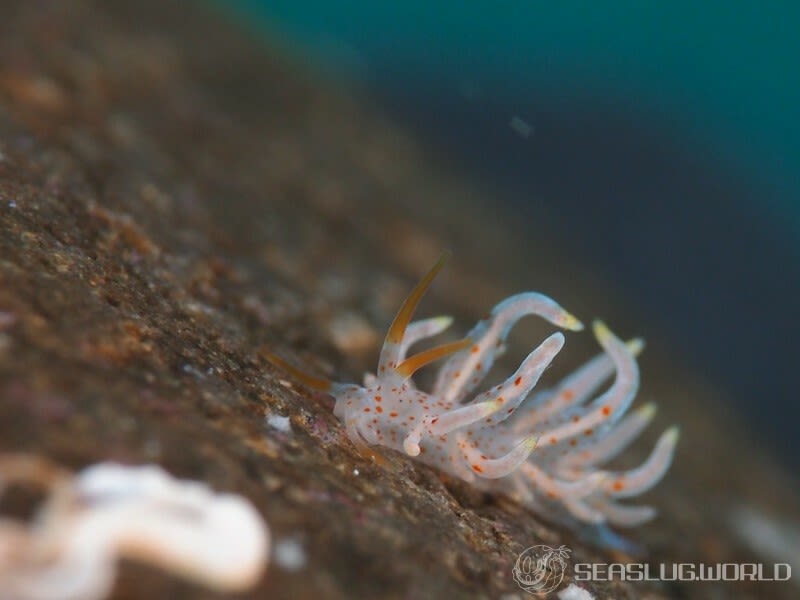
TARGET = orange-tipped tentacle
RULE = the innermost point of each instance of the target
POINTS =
(411, 365)
(317, 383)
(403, 318)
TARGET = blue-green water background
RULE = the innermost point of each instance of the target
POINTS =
(728, 71)
(665, 144)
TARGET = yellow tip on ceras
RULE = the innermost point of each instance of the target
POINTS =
(601, 331)
(570, 322)
(635, 346)
(672, 435)
(443, 322)
(648, 411)
(489, 407)
(531, 442)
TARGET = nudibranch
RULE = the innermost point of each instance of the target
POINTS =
(544, 448)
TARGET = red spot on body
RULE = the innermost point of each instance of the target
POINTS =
(573, 442)
(434, 421)
(568, 395)
(477, 468)
(553, 440)
(475, 349)
(618, 486)
(606, 410)
(478, 367)
(378, 398)
(575, 419)
(368, 409)
(518, 380)
(588, 432)
(379, 409)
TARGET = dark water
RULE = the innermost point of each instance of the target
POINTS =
(664, 143)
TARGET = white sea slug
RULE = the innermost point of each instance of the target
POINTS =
(545, 448)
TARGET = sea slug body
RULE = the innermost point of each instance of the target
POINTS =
(544, 448)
